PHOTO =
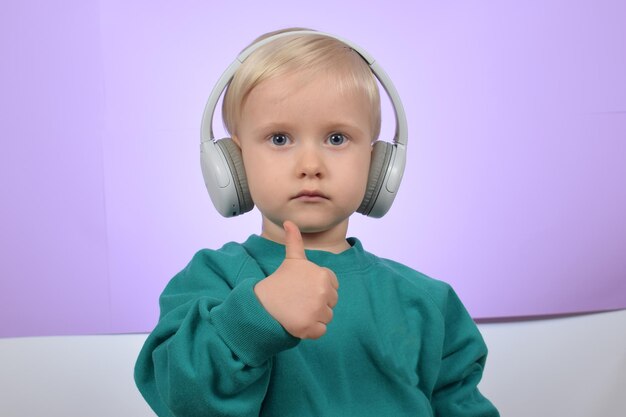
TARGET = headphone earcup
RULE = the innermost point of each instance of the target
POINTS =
(233, 157)
(381, 155)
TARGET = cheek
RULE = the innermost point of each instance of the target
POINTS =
(364, 167)
(357, 176)
(260, 191)
(262, 179)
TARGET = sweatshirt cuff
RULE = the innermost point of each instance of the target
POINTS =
(247, 328)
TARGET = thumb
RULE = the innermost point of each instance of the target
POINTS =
(294, 247)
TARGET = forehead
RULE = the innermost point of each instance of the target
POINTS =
(323, 93)
(310, 102)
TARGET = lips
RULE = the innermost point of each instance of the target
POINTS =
(310, 195)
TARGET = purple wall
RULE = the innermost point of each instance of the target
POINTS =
(514, 191)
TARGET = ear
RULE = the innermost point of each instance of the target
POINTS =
(237, 141)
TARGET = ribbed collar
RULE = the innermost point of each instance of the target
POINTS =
(270, 255)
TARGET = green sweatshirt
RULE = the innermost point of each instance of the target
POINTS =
(399, 344)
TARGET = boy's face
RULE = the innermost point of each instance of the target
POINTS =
(306, 150)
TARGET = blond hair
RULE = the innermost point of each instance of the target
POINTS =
(308, 55)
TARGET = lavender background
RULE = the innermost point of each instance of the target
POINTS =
(514, 191)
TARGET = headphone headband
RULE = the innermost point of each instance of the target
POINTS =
(401, 133)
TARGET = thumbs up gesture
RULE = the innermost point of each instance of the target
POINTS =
(300, 295)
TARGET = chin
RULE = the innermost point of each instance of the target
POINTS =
(309, 221)
(311, 227)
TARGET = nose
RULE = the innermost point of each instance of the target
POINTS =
(310, 162)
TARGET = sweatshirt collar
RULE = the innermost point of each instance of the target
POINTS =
(271, 254)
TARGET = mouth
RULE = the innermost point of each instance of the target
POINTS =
(310, 195)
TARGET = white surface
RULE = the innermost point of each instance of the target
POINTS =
(569, 367)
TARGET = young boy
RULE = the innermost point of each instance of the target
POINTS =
(301, 321)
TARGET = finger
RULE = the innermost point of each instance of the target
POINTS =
(327, 315)
(316, 331)
(334, 298)
(294, 247)
(333, 278)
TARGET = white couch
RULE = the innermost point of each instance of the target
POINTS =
(565, 367)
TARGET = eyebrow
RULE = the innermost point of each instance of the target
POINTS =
(346, 126)
(281, 126)
(278, 126)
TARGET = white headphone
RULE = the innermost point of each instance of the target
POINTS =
(222, 164)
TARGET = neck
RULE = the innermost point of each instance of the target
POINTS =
(331, 240)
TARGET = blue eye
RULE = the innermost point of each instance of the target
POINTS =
(278, 139)
(336, 139)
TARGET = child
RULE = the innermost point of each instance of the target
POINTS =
(301, 321)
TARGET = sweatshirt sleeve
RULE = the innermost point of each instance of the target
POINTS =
(212, 350)
(456, 392)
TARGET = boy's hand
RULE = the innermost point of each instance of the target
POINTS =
(299, 294)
